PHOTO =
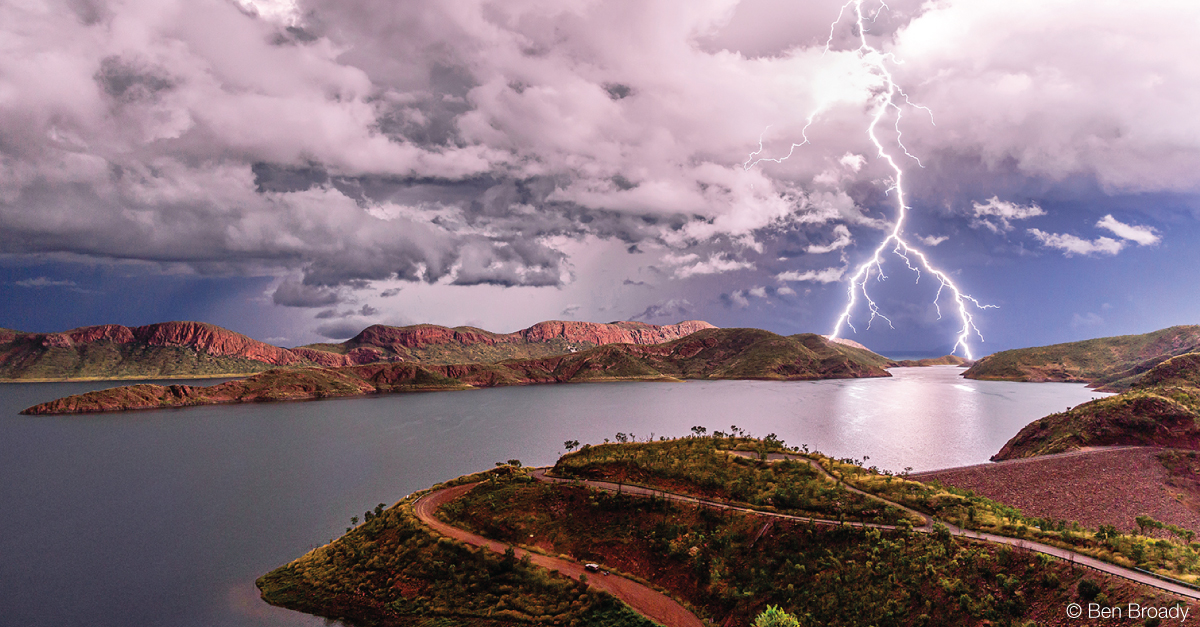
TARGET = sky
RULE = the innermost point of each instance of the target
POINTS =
(297, 170)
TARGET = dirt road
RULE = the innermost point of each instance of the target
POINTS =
(644, 600)
(1063, 554)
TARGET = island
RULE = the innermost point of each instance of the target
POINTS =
(705, 354)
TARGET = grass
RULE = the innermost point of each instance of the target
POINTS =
(392, 570)
(1162, 408)
(731, 566)
(1176, 557)
(1116, 361)
(703, 467)
(105, 359)
(728, 566)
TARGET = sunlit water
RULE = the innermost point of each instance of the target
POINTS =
(167, 517)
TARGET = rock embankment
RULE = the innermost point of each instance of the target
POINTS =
(1108, 486)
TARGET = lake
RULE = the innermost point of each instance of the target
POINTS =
(167, 517)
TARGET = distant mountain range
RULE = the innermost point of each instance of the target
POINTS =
(195, 349)
(709, 353)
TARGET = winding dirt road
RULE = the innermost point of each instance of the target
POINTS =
(1063, 554)
(646, 601)
(668, 612)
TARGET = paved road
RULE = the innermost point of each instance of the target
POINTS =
(646, 601)
(1063, 554)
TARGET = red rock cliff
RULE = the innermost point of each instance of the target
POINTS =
(591, 332)
(213, 340)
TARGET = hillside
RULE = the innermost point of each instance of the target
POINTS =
(168, 349)
(1162, 408)
(194, 349)
(433, 344)
(1098, 487)
(708, 354)
(410, 565)
(1111, 362)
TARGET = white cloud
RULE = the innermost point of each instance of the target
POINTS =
(41, 281)
(1143, 235)
(853, 161)
(1061, 88)
(997, 214)
(932, 240)
(1089, 320)
(689, 265)
(827, 275)
(1073, 245)
(841, 240)
(757, 292)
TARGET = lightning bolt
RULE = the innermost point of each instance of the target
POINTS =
(888, 99)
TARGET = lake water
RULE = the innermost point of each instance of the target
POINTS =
(167, 517)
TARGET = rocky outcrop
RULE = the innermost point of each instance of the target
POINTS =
(354, 357)
(213, 340)
(611, 333)
(396, 338)
(116, 351)
(593, 333)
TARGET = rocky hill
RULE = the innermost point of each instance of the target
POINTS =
(1112, 363)
(192, 349)
(707, 354)
(1162, 408)
(433, 344)
(168, 349)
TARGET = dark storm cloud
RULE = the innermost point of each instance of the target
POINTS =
(129, 80)
(345, 142)
(296, 294)
(340, 330)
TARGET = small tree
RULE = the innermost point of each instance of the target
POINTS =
(775, 617)
(699, 431)
(571, 445)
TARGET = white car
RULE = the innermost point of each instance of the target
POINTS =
(592, 568)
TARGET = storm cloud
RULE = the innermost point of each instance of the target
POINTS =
(360, 144)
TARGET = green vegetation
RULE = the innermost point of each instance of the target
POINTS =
(707, 354)
(708, 467)
(732, 566)
(775, 617)
(1114, 362)
(105, 359)
(1161, 409)
(1174, 556)
(393, 570)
